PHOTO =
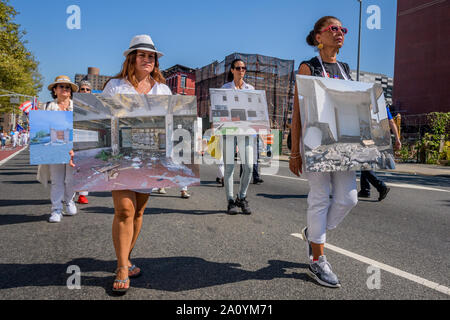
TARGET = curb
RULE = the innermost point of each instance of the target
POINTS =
(2, 162)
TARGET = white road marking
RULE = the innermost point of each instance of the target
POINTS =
(398, 185)
(385, 267)
(12, 156)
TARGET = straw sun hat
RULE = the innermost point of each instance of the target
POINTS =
(63, 79)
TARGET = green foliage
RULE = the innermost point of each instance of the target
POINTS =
(18, 67)
(42, 134)
(107, 156)
(432, 145)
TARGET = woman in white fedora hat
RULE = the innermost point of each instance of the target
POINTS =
(140, 74)
(60, 174)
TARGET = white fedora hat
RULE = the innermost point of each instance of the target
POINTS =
(142, 42)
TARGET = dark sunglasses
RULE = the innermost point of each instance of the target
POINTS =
(85, 89)
(335, 28)
(240, 68)
(64, 87)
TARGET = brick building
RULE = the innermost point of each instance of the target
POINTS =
(422, 66)
(180, 79)
(93, 76)
(273, 75)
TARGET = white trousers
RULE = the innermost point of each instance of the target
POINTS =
(61, 189)
(324, 213)
(220, 170)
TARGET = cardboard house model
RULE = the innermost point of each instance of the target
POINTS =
(344, 125)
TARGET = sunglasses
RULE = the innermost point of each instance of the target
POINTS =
(335, 28)
(64, 87)
(85, 89)
(240, 68)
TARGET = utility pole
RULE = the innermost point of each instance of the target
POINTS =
(359, 40)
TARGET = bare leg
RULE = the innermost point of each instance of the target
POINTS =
(123, 229)
(141, 203)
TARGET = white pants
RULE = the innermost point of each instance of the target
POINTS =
(61, 189)
(221, 170)
(324, 213)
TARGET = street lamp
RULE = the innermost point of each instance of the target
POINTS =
(359, 39)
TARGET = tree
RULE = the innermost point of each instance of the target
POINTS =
(18, 67)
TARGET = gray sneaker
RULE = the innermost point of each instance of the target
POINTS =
(308, 244)
(322, 273)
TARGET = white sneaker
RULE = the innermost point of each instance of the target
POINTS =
(159, 190)
(56, 216)
(71, 209)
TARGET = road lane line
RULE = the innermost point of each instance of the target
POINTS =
(398, 185)
(385, 267)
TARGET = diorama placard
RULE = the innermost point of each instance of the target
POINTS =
(51, 136)
(133, 142)
(344, 125)
(239, 112)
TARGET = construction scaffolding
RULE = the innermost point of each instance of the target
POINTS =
(274, 76)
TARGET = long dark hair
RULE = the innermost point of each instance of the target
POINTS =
(320, 24)
(230, 76)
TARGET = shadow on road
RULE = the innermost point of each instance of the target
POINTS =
(282, 196)
(21, 182)
(174, 274)
(8, 219)
(149, 211)
(12, 203)
(15, 173)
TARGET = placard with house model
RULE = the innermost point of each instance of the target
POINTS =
(132, 142)
(239, 111)
(344, 125)
(51, 136)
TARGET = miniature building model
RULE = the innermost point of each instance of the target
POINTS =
(344, 125)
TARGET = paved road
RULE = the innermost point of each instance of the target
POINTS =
(190, 249)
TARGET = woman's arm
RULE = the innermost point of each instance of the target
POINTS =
(295, 161)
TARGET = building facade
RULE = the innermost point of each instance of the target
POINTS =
(180, 79)
(93, 76)
(386, 82)
(273, 75)
(421, 57)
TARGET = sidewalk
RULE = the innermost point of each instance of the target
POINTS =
(9, 152)
(410, 168)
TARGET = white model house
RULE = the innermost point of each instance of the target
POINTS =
(339, 111)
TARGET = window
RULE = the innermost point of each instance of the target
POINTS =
(249, 99)
(183, 81)
(236, 98)
(224, 98)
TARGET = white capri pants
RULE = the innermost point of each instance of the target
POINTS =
(61, 188)
(324, 213)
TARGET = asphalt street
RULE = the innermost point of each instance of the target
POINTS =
(191, 249)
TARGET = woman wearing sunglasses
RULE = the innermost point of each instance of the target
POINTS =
(323, 213)
(60, 174)
(236, 81)
(85, 87)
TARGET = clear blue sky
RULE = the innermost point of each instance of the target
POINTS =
(195, 33)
